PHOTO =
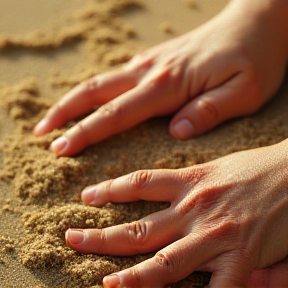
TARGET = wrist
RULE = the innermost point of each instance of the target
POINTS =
(262, 5)
(270, 16)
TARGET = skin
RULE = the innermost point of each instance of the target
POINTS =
(227, 216)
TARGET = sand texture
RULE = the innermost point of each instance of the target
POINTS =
(43, 58)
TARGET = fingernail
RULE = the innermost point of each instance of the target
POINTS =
(74, 236)
(88, 196)
(41, 127)
(111, 281)
(184, 129)
(59, 145)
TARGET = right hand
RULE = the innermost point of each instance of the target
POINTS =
(224, 69)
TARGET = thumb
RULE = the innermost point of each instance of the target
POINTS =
(212, 108)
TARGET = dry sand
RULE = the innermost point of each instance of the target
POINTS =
(46, 48)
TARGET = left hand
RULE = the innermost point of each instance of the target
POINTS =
(228, 216)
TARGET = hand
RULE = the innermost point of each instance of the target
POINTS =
(214, 73)
(275, 276)
(228, 216)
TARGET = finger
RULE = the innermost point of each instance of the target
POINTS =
(151, 185)
(171, 264)
(83, 98)
(232, 270)
(121, 113)
(143, 236)
(272, 277)
(212, 108)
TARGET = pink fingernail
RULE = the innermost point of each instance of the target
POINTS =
(184, 129)
(74, 236)
(111, 281)
(59, 145)
(88, 196)
(40, 128)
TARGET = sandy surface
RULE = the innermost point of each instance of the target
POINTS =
(46, 48)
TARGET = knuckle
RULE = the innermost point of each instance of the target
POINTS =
(137, 232)
(101, 236)
(192, 176)
(135, 61)
(168, 262)
(112, 113)
(136, 276)
(140, 62)
(139, 179)
(226, 229)
(89, 84)
(85, 135)
(108, 186)
(163, 78)
(208, 110)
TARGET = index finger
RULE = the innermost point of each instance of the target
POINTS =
(84, 97)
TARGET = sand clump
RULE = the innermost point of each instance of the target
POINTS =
(192, 4)
(6, 247)
(165, 27)
(22, 103)
(6, 244)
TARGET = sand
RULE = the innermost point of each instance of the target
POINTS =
(40, 193)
